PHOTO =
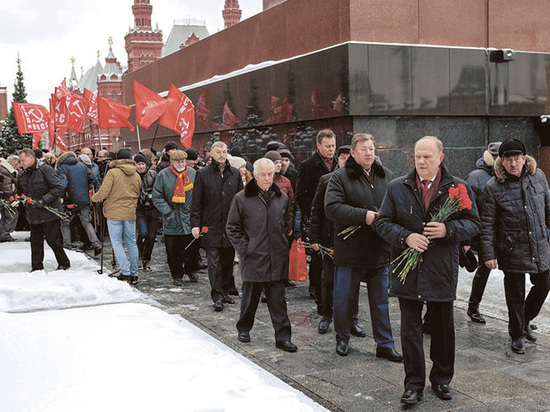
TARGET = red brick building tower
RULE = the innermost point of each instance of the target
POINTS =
(143, 44)
(231, 13)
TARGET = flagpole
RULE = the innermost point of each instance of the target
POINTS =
(155, 135)
(139, 139)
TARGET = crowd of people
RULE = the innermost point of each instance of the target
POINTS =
(341, 199)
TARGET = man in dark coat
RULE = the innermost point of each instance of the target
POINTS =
(41, 183)
(322, 234)
(75, 178)
(404, 221)
(515, 220)
(354, 194)
(477, 179)
(309, 173)
(165, 159)
(257, 227)
(215, 186)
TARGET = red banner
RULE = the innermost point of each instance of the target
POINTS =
(180, 115)
(149, 105)
(90, 103)
(228, 119)
(59, 110)
(202, 110)
(31, 118)
(112, 114)
(77, 111)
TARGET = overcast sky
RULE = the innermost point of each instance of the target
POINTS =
(47, 33)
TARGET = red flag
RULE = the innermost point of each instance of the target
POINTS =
(202, 110)
(31, 118)
(149, 105)
(180, 115)
(60, 143)
(280, 114)
(228, 119)
(59, 110)
(36, 139)
(77, 111)
(90, 104)
(62, 90)
(113, 114)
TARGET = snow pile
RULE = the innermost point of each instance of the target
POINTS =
(110, 350)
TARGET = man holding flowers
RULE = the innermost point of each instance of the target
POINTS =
(425, 215)
(41, 185)
(353, 196)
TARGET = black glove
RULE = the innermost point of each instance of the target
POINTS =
(39, 204)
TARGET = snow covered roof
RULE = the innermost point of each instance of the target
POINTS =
(181, 30)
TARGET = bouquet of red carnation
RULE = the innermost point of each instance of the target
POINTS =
(323, 250)
(8, 207)
(458, 200)
(30, 201)
(204, 230)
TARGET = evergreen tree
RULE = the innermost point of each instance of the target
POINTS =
(10, 139)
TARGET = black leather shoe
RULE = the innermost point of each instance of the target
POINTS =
(476, 317)
(529, 335)
(342, 348)
(244, 337)
(323, 325)
(358, 331)
(97, 251)
(178, 282)
(289, 284)
(193, 277)
(518, 346)
(286, 345)
(218, 306)
(443, 392)
(64, 267)
(411, 397)
(389, 353)
(233, 291)
(228, 299)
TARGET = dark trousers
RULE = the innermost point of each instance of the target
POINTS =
(478, 285)
(147, 226)
(315, 273)
(51, 231)
(327, 288)
(346, 303)
(442, 346)
(220, 270)
(522, 310)
(176, 253)
(276, 304)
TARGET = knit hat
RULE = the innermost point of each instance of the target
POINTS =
(140, 158)
(192, 154)
(237, 162)
(235, 151)
(84, 158)
(273, 145)
(285, 153)
(511, 147)
(148, 156)
(343, 149)
(170, 145)
(124, 154)
(273, 155)
(178, 155)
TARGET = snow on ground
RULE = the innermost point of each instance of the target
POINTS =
(76, 340)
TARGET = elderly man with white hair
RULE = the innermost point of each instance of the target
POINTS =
(257, 228)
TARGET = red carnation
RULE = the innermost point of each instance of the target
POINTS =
(29, 200)
(204, 229)
(332, 253)
(11, 199)
(16, 196)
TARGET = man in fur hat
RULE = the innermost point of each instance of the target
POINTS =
(514, 219)
(477, 179)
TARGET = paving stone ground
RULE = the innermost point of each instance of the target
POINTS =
(488, 375)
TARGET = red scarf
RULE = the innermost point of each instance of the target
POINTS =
(183, 184)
